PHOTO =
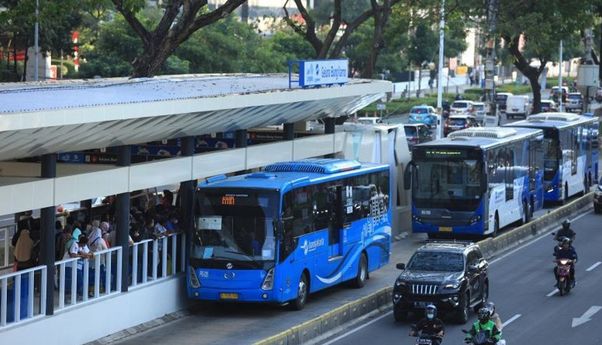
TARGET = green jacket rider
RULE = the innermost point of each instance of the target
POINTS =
(484, 324)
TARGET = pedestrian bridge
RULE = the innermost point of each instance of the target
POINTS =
(135, 282)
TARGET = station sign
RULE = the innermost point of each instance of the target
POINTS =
(323, 72)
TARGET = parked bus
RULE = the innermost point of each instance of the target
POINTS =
(293, 229)
(571, 152)
(476, 180)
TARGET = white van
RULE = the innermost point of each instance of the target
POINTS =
(518, 105)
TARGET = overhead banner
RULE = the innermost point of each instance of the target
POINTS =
(323, 72)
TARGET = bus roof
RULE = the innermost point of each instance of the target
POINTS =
(552, 120)
(286, 175)
(483, 137)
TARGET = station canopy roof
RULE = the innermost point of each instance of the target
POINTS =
(46, 117)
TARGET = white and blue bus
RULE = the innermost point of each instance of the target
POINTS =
(290, 230)
(570, 151)
(476, 180)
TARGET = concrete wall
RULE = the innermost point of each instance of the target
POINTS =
(100, 318)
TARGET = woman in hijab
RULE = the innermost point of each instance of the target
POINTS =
(96, 243)
(23, 251)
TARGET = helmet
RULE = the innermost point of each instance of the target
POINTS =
(430, 311)
(566, 224)
(483, 315)
(491, 307)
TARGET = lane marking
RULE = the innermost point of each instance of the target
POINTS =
(544, 235)
(552, 293)
(357, 329)
(510, 320)
(593, 267)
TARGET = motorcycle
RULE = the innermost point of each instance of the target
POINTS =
(426, 339)
(563, 271)
(481, 338)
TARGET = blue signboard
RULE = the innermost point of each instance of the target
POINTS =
(323, 72)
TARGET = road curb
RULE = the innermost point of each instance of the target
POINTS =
(518, 235)
(312, 329)
(320, 325)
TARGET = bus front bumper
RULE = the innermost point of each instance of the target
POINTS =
(237, 296)
(477, 228)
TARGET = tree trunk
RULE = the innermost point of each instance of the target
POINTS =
(150, 61)
(533, 77)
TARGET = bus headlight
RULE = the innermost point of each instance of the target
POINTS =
(194, 281)
(268, 281)
(475, 219)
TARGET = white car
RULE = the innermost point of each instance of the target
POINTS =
(461, 107)
(518, 105)
(480, 110)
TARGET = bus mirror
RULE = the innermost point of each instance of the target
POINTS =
(277, 226)
(407, 176)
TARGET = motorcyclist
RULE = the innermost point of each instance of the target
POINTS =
(495, 317)
(566, 251)
(566, 231)
(484, 323)
(429, 325)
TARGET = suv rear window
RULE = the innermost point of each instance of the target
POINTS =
(457, 122)
(419, 111)
(460, 105)
(501, 97)
(575, 96)
(436, 261)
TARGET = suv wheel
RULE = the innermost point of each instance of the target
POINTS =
(464, 309)
(399, 314)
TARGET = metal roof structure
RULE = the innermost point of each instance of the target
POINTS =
(48, 117)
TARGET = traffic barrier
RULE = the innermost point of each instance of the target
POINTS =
(381, 299)
(547, 222)
(312, 329)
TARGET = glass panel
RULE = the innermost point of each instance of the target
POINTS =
(235, 226)
(437, 261)
(442, 183)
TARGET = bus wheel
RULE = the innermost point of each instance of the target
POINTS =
(527, 212)
(362, 273)
(302, 291)
(496, 226)
(566, 193)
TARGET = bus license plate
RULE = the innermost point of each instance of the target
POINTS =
(225, 295)
(445, 229)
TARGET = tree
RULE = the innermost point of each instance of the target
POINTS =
(540, 25)
(422, 49)
(57, 19)
(181, 18)
(309, 28)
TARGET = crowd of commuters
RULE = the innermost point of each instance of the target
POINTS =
(149, 219)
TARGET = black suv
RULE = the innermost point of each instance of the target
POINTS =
(452, 276)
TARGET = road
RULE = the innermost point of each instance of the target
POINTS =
(522, 286)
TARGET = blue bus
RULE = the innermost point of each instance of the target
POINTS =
(290, 230)
(476, 180)
(571, 152)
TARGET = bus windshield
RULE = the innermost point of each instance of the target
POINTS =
(235, 226)
(455, 184)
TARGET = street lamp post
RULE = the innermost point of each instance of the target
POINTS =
(35, 40)
(560, 78)
(440, 70)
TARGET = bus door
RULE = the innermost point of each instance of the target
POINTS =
(335, 226)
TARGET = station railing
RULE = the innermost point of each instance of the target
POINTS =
(157, 259)
(18, 298)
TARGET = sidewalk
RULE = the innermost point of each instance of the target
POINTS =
(249, 323)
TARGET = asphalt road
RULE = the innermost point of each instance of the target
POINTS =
(522, 286)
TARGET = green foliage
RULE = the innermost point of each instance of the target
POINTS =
(423, 45)
(515, 89)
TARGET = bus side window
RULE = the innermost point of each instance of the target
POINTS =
(303, 215)
(322, 206)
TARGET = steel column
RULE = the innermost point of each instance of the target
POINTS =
(122, 219)
(47, 235)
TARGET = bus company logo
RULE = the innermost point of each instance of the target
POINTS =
(229, 275)
(229, 265)
(310, 246)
